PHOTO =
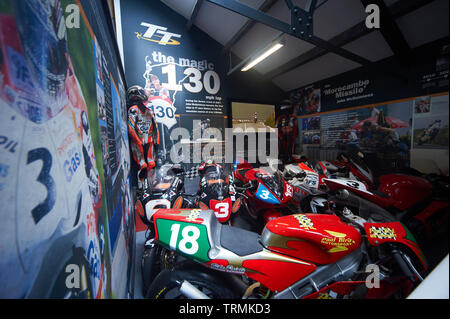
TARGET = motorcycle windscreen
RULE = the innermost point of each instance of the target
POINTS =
(274, 184)
(264, 194)
(215, 184)
(160, 179)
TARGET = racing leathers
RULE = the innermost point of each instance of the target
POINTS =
(144, 137)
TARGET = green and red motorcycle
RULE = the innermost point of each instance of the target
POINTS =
(296, 256)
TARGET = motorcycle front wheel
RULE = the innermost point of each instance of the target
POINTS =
(167, 285)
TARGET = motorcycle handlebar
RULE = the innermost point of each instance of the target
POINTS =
(243, 188)
(367, 209)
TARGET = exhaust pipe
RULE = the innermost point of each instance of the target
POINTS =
(190, 291)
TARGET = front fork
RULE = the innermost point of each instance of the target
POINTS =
(406, 266)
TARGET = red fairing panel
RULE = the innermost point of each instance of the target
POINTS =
(404, 190)
(316, 238)
(222, 209)
(395, 232)
(277, 275)
(274, 271)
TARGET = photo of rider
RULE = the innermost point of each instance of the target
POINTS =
(431, 130)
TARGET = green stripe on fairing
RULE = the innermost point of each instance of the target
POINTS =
(411, 237)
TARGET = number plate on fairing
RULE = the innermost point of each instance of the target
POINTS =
(265, 195)
(188, 239)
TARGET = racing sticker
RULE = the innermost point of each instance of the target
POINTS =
(265, 195)
(193, 215)
(339, 242)
(382, 232)
(304, 221)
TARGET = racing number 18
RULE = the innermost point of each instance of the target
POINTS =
(188, 244)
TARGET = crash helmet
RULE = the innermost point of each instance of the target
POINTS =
(136, 94)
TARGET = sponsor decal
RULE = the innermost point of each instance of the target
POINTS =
(339, 241)
(304, 221)
(382, 232)
(193, 215)
(228, 268)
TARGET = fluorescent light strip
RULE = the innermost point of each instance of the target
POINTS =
(270, 51)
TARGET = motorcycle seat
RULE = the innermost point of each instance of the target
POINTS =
(240, 241)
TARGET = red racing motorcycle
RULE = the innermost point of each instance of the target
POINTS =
(216, 192)
(166, 190)
(421, 202)
(296, 256)
(266, 194)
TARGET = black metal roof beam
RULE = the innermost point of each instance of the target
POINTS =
(397, 10)
(194, 13)
(266, 6)
(289, 4)
(391, 32)
(311, 6)
(301, 26)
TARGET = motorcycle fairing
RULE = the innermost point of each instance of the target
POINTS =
(222, 209)
(184, 231)
(404, 190)
(337, 184)
(152, 205)
(394, 232)
(265, 195)
(316, 238)
(240, 163)
(215, 248)
(304, 167)
(345, 182)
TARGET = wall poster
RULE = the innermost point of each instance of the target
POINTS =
(64, 159)
(180, 71)
(431, 122)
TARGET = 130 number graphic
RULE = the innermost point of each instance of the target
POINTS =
(210, 82)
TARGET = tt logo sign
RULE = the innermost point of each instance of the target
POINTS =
(373, 18)
(158, 34)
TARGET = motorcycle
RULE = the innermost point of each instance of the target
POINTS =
(265, 193)
(410, 199)
(216, 192)
(296, 256)
(166, 185)
(163, 188)
(421, 202)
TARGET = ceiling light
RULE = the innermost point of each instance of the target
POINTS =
(262, 56)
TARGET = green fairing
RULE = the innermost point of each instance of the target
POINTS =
(164, 227)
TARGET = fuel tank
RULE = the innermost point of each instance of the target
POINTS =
(317, 238)
(404, 190)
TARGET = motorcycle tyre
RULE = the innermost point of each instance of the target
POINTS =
(168, 280)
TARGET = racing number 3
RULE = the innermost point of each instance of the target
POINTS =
(45, 179)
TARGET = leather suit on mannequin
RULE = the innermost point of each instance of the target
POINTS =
(143, 131)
